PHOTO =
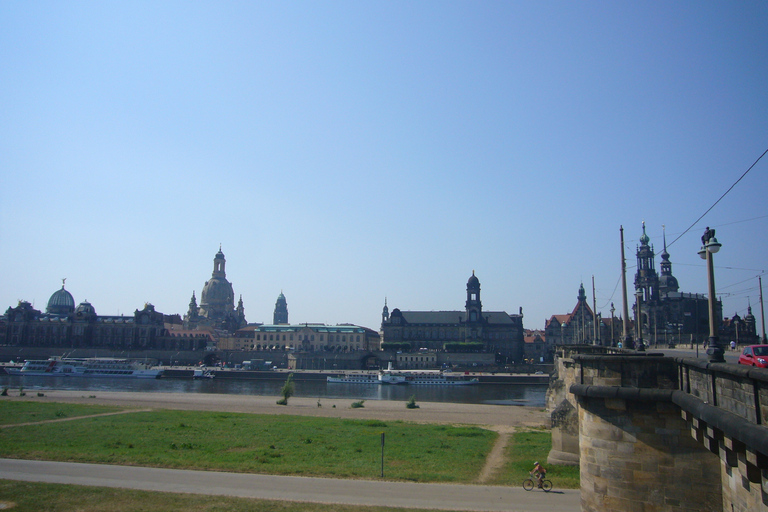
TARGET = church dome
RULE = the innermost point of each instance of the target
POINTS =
(218, 293)
(85, 309)
(668, 283)
(473, 280)
(60, 303)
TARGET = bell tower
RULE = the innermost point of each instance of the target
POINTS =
(473, 305)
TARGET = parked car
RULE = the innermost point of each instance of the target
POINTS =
(755, 355)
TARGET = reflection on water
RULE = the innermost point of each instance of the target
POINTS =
(499, 394)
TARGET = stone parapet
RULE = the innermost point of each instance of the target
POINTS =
(653, 429)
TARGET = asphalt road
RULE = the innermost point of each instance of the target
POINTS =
(286, 488)
(685, 350)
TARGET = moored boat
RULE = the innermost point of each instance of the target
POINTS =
(429, 377)
(355, 378)
(87, 367)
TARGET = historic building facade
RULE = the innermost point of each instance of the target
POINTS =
(661, 310)
(490, 331)
(308, 338)
(663, 313)
(578, 326)
(65, 326)
(217, 302)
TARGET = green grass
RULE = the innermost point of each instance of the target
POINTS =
(250, 443)
(14, 412)
(39, 497)
(523, 450)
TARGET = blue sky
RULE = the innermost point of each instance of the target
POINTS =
(344, 152)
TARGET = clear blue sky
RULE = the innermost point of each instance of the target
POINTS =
(344, 152)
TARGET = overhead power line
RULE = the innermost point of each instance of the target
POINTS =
(719, 199)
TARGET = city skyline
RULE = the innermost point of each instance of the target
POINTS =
(344, 153)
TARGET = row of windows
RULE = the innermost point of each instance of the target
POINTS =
(307, 337)
(451, 335)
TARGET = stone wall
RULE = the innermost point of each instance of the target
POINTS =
(658, 433)
(638, 455)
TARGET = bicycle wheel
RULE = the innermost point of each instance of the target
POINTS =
(546, 485)
(527, 484)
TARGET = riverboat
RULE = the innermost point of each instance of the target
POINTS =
(87, 367)
(429, 377)
(366, 378)
(411, 377)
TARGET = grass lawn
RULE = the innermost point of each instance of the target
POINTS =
(38, 497)
(12, 413)
(252, 443)
(523, 450)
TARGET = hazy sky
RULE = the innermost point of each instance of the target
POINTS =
(344, 152)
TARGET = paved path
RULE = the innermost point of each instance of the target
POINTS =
(317, 490)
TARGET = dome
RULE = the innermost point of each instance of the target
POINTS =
(60, 303)
(85, 309)
(668, 283)
(217, 300)
(473, 280)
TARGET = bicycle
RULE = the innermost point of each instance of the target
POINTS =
(530, 483)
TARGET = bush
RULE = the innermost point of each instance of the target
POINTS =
(358, 405)
(411, 403)
(287, 391)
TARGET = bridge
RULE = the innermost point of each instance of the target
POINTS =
(655, 433)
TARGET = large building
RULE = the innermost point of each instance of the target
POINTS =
(306, 338)
(66, 327)
(473, 328)
(664, 314)
(217, 302)
(578, 326)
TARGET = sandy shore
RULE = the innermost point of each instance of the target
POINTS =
(498, 417)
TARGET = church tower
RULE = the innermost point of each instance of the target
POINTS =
(385, 312)
(647, 285)
(281, 311)
(191, 318)
(646, 278)
(667, 282)
(473, 305)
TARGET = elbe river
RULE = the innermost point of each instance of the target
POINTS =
(530, 395)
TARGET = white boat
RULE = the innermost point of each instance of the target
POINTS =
(200, 373)
(355, 378)
(411, 377)
(428, 378)
(87, 367)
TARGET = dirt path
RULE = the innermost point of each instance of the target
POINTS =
(495, 459)
(56, 420)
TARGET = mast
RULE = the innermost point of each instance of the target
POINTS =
(625, 320)
(762, 309)
(594, 312)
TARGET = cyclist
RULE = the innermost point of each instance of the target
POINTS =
(539, 472)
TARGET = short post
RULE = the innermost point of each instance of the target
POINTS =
(382, 455)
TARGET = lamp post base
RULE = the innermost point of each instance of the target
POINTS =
(715, 351)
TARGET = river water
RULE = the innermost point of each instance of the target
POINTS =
(532, 395)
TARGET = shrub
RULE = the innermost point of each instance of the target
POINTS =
(287, 391)
(358, 405)
(411, 403)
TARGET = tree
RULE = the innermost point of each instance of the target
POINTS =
(287, 390)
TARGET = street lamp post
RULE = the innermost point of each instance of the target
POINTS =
(613, 310)
(710, 246)
(639, 319)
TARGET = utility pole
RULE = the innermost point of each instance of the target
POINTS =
(594, 312)
(627, 338)
(762, 309)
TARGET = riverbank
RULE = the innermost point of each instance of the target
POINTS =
(498, 417)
